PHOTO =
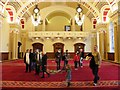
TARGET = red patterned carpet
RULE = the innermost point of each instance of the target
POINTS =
(13, 76)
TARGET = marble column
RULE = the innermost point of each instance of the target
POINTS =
(118, 40)
(23, 40)
(93, 40)
(13, 41)
(115, 42)
(13, 45)
(101, 44)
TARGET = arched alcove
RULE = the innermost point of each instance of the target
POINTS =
(77, 46)
(57, 21)
(37, 46)
(58, 46)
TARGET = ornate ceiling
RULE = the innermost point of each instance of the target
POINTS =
(24, 8)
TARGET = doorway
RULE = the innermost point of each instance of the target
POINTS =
(77, 46)
(58, 46)
(37, 46)
(19, 52)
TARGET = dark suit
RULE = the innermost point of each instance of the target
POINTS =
(37, 66)
(44, 65)
(65, 59)
(58, 59)
(33, 60)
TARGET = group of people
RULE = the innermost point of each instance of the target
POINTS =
(38, 61)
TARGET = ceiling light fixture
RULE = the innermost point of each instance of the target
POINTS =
(36, 18)
(79, 17)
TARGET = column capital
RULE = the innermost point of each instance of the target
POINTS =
(14, 28)
(14, 25)
(101, 25)
(114, 16)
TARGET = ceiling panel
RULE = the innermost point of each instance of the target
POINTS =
(16, 5)
(100, 5)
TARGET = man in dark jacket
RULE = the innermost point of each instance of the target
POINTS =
(44, 65)
(94, 68)
(31, 59)
(58, 57)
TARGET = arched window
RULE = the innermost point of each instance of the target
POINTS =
(111, 36)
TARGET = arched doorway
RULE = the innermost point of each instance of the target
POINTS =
(19, 52)
(37, 46)
(58, 46)
(77, 46)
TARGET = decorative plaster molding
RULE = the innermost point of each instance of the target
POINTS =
(58, 35)
(101, 25)
(2, 15)
(114, 16)
(14, 30)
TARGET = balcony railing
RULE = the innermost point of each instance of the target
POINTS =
(56, 34)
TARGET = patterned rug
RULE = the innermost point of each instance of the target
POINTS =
(33, 84)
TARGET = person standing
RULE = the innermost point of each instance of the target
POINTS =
(97, 59)
(65, 58)
(44, 65)
(31, 59)
(34, 60)
(93, 67)
(68, 75)
(76, 60)
(40, 61)
(37, 67)
(58, 58)
(27, 61)
(81, 53)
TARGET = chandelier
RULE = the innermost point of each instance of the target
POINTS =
(79, 17)
(36, 18)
